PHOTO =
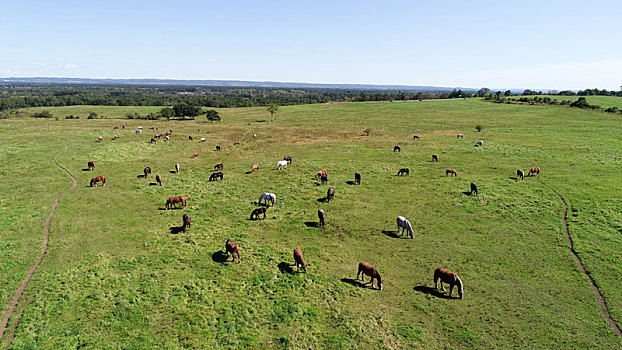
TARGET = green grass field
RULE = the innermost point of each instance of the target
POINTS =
(116, 277)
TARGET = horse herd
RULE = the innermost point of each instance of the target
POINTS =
(268, 200)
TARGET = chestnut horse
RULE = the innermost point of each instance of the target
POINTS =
(367, 269)
(403, 171)
(232, 248)
(177, 168)
(91, 165)
(320, 173)
(299, 260)
(357, 178)
(97, 179)
(173, 200)
(186, 222)
(330, 194)
(255, 167)
(534, 171)
(196, 154)
(116, 137)
(100, 139)
(159, 179)
(215, 176)
(236, 143)
(256, 212)
(448, 277)
(520, 175)
(451, 171)
(322, 217)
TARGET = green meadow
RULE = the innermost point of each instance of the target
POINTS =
(118, 275)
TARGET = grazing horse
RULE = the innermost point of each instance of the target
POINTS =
(434, 158)
(215, 176)
(288, 159)
(534, 171)
(219, 166)
(479, 143)
(236, 143)
(147, 171)
(139, 131)
(173, 200)
(281, 164)
(405, 226)
(416, 137)
(320, 173)
(324, 179)
(168, 133)
(520, 175)
(166, 138)
(397, 149)
(322, 217)
(217, 148)
(202, 140)
(299, 260)
(232, 248)
(190, 138)
(177, 168)
(448, 277)
(474, 188)
(403, 171)
(186, 222)
(153, 140)
(460, 136)
(255, 167)
(196, 154)
(266, 196)
(367, 269)
(115, 128)
(116, 137)
(451, 171)
(330, 194)
(97, 179)
(159, 179)
(258, 211)
(100, 139)
(357, 178)
(91, 165)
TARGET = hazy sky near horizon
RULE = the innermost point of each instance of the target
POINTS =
(527, 44)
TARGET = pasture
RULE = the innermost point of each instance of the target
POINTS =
(119, 274)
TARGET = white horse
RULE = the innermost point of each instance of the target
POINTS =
(267, 197)
(460, 136)
(405, 225)
(166, 138)
(479, 143)
(281, 164)
(202, 139)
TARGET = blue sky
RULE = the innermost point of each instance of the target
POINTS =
(525, 44)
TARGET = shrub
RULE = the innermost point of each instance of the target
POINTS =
(42, 114)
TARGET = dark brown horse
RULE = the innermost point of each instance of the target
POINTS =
(434, 158)
(190, 138)
(322, 217)
(257, 212)
(474, 188)
(91, 165)
(324, 179)
(534, 171)
(173, 200)
(330, 194)
(215, 176)
(397, 149)
(288, 159)
(97, 179)
(357, 178)
(448, 277)
(219, 166)
(159, 179)
(232, 248)
(147, 171)
(299, 260)
(520, 175)
(367, 269)
(217, 148)
(451, 171)
(403, 171)
(186, 222)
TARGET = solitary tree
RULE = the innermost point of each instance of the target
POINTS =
(212, 115)
(272, 108)
(167, 112)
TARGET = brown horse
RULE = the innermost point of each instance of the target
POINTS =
(520, 175)
(173, 200)
(215, 176)
(168, 133)
(534, 171)
(367, 269)
(255, 167)
(257, 212)
(153, 140)
(91, 165)
(116, 137)
(299, 260)
(324, 179)
(236, 143)
(159, 179)
(97, 179)
(474, 189)
(232, 248)
(219, 166)
(186, 222)
(403, 171)
(357, 178)
(147, 171)
(321, 173)
(434, 158)
(177, 168)
(448, 277)
(196, 154)
(322, 217)
(330, 194)
(115, 128)
(451, 171)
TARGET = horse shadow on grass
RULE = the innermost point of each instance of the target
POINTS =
(357, 283)
(285, 268)
(153, 184)
(468, 193)
(394, 234)
(141, 176)
(172, 172)
(513, 178)
(220, 257)
(431, 291)
(314, 224)
(248, 172)
(87, 169)
(176, 230)
(260, 121)
(351, 182)
(322, 200)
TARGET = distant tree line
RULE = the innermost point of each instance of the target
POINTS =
(14, 96)
(581, 102)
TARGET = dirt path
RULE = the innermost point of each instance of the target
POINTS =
(46, 238)
(601, 299)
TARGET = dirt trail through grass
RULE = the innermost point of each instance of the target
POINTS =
(601, 299)
(46, 238)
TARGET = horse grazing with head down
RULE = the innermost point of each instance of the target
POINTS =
(405, 226)
(320, 173)
(217, 148)
(147, 171)
(267, 197)
(460, 136)
(153, 140)
(520, 175)
(177, 168)
(448, 277)
(403, 171)
(434, 158)
(299, 260)
(100, 139)
(324, 179)
(173, 200)
(474, 188)
(479, 143)
(196, 154)
(255, 167)
(215, 176)
(159, 179)
(91, 165)
(451, 171)
(281, 164)
(322, 217)
(416, 137)
(116, 137)
(534, 171)
(258, 211)
(190, 138)
(232, 248)
(219, 166)
(236, 143)
(330, 194)
(397, 149)
(97, 179)
(186, 222)
(367, 269)
(357, 178)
